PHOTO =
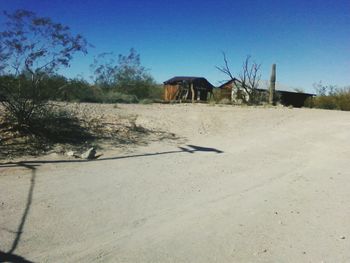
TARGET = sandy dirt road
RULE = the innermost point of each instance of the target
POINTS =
(240, 185)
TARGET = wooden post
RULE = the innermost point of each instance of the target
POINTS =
(165, 92)
(192, 91)
(272, 85)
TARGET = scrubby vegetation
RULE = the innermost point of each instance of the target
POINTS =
(32, 51)
(59, 88)
(123, 79)
(129, 83)
(71, 127)
(330, 97)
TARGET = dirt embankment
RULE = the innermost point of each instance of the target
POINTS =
(75, 127)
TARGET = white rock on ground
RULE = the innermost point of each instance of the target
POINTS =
(89, 154)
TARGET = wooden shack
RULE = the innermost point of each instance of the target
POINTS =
(227, 90)
(187, 89)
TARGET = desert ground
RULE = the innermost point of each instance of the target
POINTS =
(235, 184)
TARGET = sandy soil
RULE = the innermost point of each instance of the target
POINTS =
(240, 185)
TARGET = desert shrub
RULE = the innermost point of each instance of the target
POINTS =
(50, 125)
(260, 97)
(59, 88)
(309, 102)
(140, 94)
(124, 74)
(225, 101)
(32, 48)
(20, 100)
(326, 102)
(336, 99)
(59, 126)
(216, 97)
(81, 91)
(138, 88)
(146, 101)
(343, 99)
(156, 92)
(117, 97)
(54, 86)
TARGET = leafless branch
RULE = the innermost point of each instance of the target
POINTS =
(225, 69)
(249, 78)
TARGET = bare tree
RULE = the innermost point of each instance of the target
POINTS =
(247, 81)
(226, 68)
(32, 48)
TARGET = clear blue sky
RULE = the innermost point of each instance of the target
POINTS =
(309, 40)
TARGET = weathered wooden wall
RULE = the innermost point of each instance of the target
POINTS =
(170, 92)
(226, 91)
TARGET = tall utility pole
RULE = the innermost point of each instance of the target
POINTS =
(272, 84)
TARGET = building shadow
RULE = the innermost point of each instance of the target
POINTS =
(10, 256)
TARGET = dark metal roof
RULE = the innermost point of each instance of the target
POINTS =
(195, 80)
(289, 92)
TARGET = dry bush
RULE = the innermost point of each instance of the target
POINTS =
(43, 133)
(225, 101)
(338, 99)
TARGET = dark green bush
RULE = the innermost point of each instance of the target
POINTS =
(146, 101)
(343, 99)
(326, 102)
(117, 97)
(59, 88)
(156, 92)
(123, 78)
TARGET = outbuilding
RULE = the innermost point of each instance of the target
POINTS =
(297, 99)
(187, 89)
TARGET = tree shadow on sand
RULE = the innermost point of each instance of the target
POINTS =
(191, 149)
(10, 256)
(32, 165)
